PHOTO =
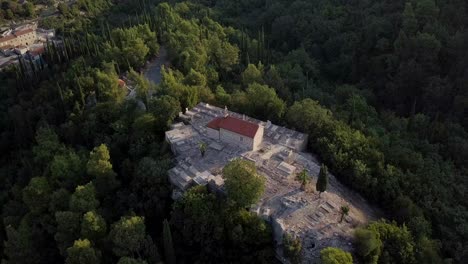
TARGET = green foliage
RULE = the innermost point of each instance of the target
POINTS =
(428, 251)
(37, 195)
(426, 11)
(63, 9)
(127, 235)
(100, 167)
(68, 230)
(220, 232)
(93, 226)
(199, 206)
(59, 200)
(99, 161)
(127, 260)
(223, 54)
(166, 109)
(202, 146)
(107, 85)
(11, 10)
(304, 178)
(273, 79)
(410, 23)
(172, 85)
(398, 244)
(322, 181)
(29, 10)
(249, 229)
(149, 36)
(405, 59)
(368, 245)
(47, 145)
(84, 199)
(67, 170)
(292, 248)
(344, 210)
(93, 7)
(391, 72)
(263, 102)
(82, 253)
(222, 97)
(195, 78)
(251, 75)
(19, 246)
(151, 187)
(140, 84)
(145, 125)
(244, 186)
(384, 242)
(130, 50)
(331, 255)
(168, 244)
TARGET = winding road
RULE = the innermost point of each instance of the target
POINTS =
(152, 71)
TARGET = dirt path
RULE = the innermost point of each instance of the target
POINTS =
(152, 71)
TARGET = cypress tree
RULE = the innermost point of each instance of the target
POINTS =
(96, 50)
(263, 44)
(65, 52)
(110, 34)
(47, 50)
(19, 83)
(242, 47)
(168, 245)
(59, 88)
(88, 51)
(24, 74)
(101, 27)
(41, 61)
(80, 90)
(81, 47)
(322, 181)
(33, 69)
(259, 59)
(56, 55)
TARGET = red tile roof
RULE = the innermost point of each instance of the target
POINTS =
(235, 125)
(23, 32)
(16, 34)
(6, 38)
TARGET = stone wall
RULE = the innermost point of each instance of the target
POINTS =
(236, 139)
(212, 133)
(257, 141)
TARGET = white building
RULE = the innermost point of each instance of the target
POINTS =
(21, 50)
(236, 131)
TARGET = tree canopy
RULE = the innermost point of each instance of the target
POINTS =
(244, 185)
(378, 86)
(331, 255)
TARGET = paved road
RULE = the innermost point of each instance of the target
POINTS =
(153, 69)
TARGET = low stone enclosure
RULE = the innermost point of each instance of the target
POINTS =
(314, 219)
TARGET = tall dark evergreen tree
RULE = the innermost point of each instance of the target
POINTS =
(322, 181)
(168, 244)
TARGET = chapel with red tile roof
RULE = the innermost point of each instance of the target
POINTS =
(232, 130)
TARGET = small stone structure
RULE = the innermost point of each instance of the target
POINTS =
(279, 154)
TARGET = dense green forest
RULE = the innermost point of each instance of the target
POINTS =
(10, 10)
(379, 86)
